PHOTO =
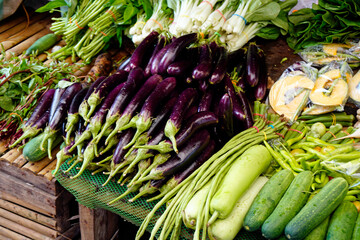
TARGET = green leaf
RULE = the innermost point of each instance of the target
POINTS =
(302, 15)
(281, 21)
(52, 5)
(12, 93)
(270, 32)
(130, 11)
(287, 5)
(264, 13)
(147, 8)
(7, 103)
(64, 84)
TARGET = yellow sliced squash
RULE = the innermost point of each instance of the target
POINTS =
(281, 103)
(339, 93)
(332, 48)
(354, 87)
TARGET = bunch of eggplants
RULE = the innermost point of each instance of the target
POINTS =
(165, 110)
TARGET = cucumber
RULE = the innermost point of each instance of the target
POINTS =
(356, 233)
(319, 233)
(317, 209)
(290, 204)
(267, 199)
(342, 222)
(42, 44)
(32, 151)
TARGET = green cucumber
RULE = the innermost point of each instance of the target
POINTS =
(290, 204)
(32, 151)
(356, 233)
(319, 233)
(42, 44)
(267, 199)
(342, 222)
(317, 209)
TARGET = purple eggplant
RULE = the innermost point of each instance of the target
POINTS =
(179, 68)
(146, 45)
(132, 84)
(164, 113)
(260, 89)
(42, 106)
(123, 122)
(220, 67)
(160, 44)
(34, 129)
(190, 151)
(144, 119)
(186, 98)
(190, 112)
(119, 153)
(249, 121)
(226, 119)
(203, 85)
(235, 59)
(84, 106)
(73, 113)
(103, 90)
(59, 116)
(252, 65)
(172, 51)
(197, 121)
(206, 101)
(123, 65)
(55, 101)
(182, 175)
(204, 67)
(238, 111)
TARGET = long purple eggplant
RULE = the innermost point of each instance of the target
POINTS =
(103, 90)
(175, 47)
(260, 89)
(144, 119)
(146, 45)
(226, 119)
(123, 65)
(182, 175)
(238, 110)
(73, 113)
(206, 101)
(119, 153)
(42, 106)
(190, 151)
(249, 121)
(84, 106)
(186, 98)
(220, 67)
(197, 121)
(160, 44)
(59, 116)
(34, 129)
(204, 67)
(55, 101)
(235, 59)
(252, 65)
(123, 122)
(132, 84)
(179, 68)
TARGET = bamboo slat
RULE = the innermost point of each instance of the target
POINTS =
(11, 155)
(11, 235)
(20, 161)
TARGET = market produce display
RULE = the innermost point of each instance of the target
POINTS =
(191, 122)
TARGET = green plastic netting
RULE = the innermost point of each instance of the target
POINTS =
(88, 191)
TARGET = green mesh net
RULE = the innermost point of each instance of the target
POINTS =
(88, 191)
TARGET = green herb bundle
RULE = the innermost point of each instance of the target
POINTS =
(326, 22)
(22, 82)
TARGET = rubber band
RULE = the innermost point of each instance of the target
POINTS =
(70, 20)
(334, 119)
(16, 115)
(161, 27)
(348, 135)
(205, 1)
(140, 22)
(103, 33)
(272, 126)
(235, 14)
(294, 130)
(90, 29)
(260, 115)
(282, 136)
(216, 33)
(222, 15)
(171, 19)
(264, 135)
(247, 36)
(76, 23)
(111, 13)
(257, 129)
(332, 134)
(202, 35)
